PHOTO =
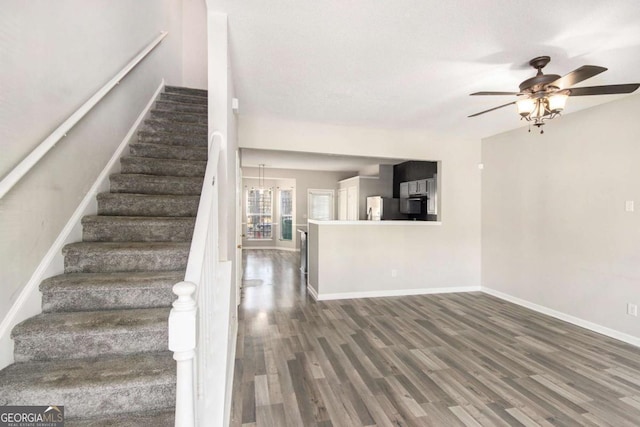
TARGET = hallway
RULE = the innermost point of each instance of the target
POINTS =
(434, 360)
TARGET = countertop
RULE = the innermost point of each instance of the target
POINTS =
(378, 223)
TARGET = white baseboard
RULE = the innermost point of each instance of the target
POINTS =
(277, 248)
(312, 292)
(630, 339)
(395, 293)
(29, 301)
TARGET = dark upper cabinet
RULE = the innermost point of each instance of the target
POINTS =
(413, 170)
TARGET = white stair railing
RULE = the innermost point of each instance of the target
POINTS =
(60, 132)
(199, 316)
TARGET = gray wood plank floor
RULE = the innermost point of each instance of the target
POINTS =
(465, 359)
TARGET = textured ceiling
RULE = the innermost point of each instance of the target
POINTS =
(411, 64)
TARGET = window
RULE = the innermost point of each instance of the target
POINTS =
(320, 204)
(259, 208)
(286, 214)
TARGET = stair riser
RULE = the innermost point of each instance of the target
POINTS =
(77, 346)
(114, 260)
(137, 231)
(116, 299)
(147, 206)
(179, 107)
(199, 119)
(173, 139)
(175, 97)
(186, 91)
(162, 167)
(158, 151)
(146, 184)
(101, 401)
(162, 125)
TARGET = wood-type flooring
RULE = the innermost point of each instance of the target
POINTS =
(465, 359)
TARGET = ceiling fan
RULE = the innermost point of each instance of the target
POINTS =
(544, 96)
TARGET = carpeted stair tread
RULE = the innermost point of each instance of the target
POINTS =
(186, 91)
(184, 99)
(181, 107)
(109, 291)
(164, 151)
(162, 125)
(93, 387)
(90, 334)
(103, 228)
(153, 184)
(156, 419)
(99, 346)
(171, 167)
(174, 139)
(106, 257)
(180, 116)
(147, 204)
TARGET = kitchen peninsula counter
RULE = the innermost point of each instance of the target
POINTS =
(356, 259)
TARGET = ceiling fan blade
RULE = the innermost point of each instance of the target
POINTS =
(576, 76)
(494, 93)
(495, 108)
(604, 90)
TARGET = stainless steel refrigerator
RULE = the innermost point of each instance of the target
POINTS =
(383, 208)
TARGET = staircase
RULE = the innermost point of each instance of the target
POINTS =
(100, 346)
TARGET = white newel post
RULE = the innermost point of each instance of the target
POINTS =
(182, 341)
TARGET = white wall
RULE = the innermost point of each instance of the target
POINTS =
(386, 258)
(194, 40)
(222, 119)
(459, 177)
(554, 227)
(305, 179)
(55, 55)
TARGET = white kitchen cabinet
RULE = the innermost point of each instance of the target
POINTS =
(352, 203)
(357, 190)
(404, 190)
(422, 187)
(414, 188)
(342, 204)
(432, 192)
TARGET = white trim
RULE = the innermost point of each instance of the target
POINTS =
(396, 293)
(353, 178)
(231, 365)
(29, 301)
(279, 248)
(630, 339)
(312, 291)
(60, 132)
(376, 223)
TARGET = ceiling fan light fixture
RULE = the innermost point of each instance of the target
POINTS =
(544, 96)
(541, 110)
(557, 102)
(525, 106)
